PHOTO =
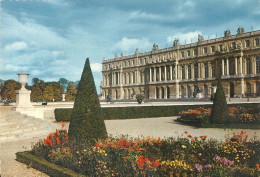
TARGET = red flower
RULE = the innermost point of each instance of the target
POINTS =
(50, 136)
(126, 158)
(62, 125)
(97, 146)
(58, 140)
(177, 175)
(57, 132)
(67, 137)
(156, 164)
(193, 140)
(146, 159)
(140, 162)
(186, 132)
(257, 166)
(189, 136)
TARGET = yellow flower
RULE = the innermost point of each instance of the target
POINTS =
(183, 146)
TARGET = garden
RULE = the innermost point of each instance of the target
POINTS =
(239, 155)
(86, 150)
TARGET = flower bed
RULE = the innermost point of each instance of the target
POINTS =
(186, 156)
(237, 115)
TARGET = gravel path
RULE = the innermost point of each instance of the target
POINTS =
(166, 127)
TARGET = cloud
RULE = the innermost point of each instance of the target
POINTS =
(184, 36)
(15, 68)
(96, 67)
(130, 44)
(143, 15)
(16, 46)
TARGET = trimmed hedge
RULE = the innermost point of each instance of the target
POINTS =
(113, 113)
(45, 166)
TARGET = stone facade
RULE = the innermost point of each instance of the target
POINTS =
(187, 71)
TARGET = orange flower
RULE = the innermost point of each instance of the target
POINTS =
(126, 158)
(140, 149)
(193, 140)
(62, 125)
(189, 136)
(67, 137)
(177, 174)
(97, 146)
(58, 140)
(57, 132)
(257, 166)
(146, 159)
(45, 142)
(140, 162)
(156, 164)
(186, 132)
(50, 136)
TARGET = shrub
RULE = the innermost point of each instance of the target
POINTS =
(219, 112)
(87, 122)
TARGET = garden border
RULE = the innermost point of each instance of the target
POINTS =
(45, 166)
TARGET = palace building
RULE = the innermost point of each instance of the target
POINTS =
(187, 71)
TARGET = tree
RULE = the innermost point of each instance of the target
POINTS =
(48, 93)
(58, 91)
(37, 90)
(219, 112)
(64, 84)
(87, 122)
(9, 89)
(71, 91)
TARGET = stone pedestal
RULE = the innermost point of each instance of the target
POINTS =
(63, 97)
(23, 95)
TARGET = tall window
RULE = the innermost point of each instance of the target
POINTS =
(188, 53)
(129, 78)
(195, 52)
(141, 76)
(205, 50)
(221, 47)
(258, 64)
(141, 61)
(182, 54)
(247, 43)
(196, 74)
(144, 60)
(234, 45)
(212, 49)
(189, 72)
(133, 62)
(133, 77)
(257, 42)
(213, 70)
(183, 72)
(125, 78)
(248, 66)
(206, 68)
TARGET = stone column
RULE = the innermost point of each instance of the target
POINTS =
(192, 71)
(202, 70)
(165, 92)
(227, 66)
(209, 69)
(177, 89)
(171, 72)
(165, 73)
(199, 70)
(235, 65)
(176, 72)
(154, 70)
(254, 64)
(150, 74)
(63, 97)
(160, 73)
(223, 67)
(242, 87)
(241, 68)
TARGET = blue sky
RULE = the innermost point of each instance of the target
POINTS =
(51, 39)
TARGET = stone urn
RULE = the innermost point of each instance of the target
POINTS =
(63, 97)
(23, 96)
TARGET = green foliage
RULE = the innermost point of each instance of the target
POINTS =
(53, 90)
(219, 112)
(140, 98)
(87, 122)
(71, 91)
(45, 166)
(9, 89)
(64, 84)
(62, 114)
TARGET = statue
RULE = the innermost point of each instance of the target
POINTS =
(227, 33)
(137, 51)
(155, 47)
(122, 54)
(240, 30)
(200, 38)
(176, 42)
(116, 57)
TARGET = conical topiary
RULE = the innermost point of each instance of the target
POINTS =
(219, 112)
(86, 121)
